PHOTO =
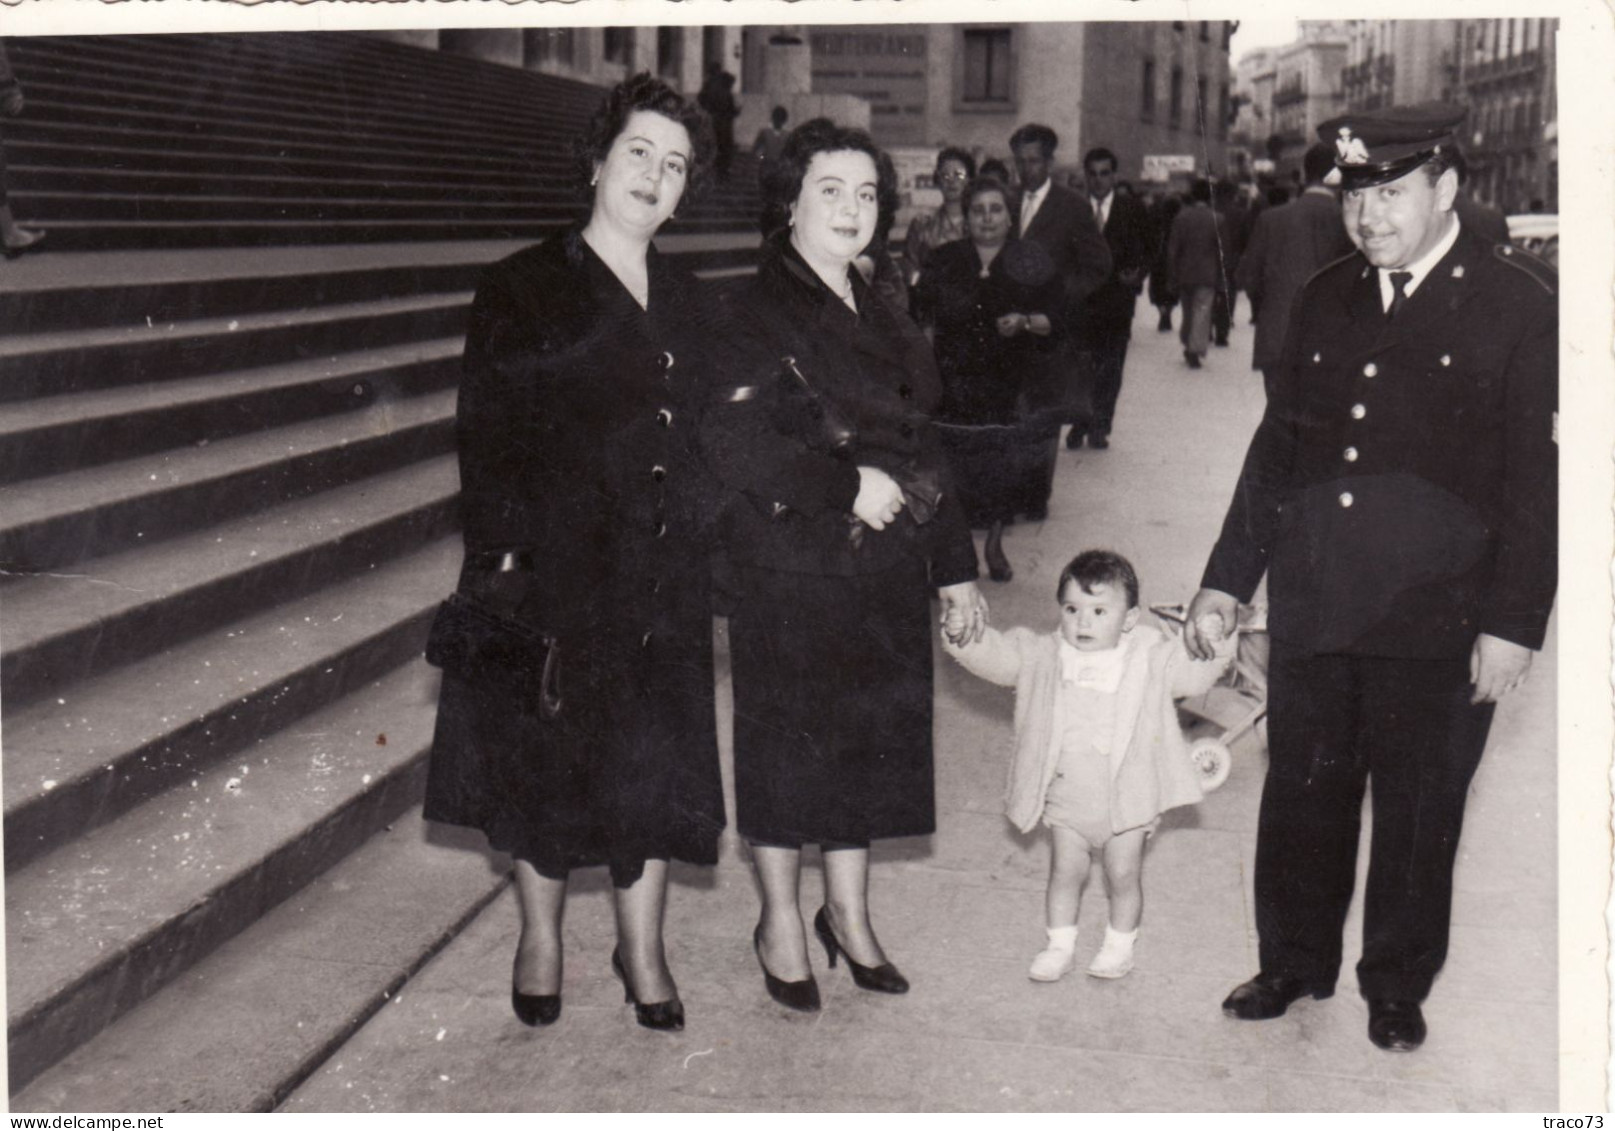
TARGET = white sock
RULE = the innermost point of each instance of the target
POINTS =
(1062, 938)
(1057, 959)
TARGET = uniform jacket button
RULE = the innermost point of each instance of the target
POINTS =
(1316, 358)
(1446, 359)
(1371, 370)
(664, 417)
(905, 391)
(661, 529)
(654, 585)
(1345, 499)
(1351, 455)
(658, 473)
(666, 360)
(1358, 412)
(645, 640)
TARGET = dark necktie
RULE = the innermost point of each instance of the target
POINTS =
(1399, 282)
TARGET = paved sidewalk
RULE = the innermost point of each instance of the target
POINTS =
(961, 911)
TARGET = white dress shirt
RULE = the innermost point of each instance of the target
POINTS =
(1418, 269)
(1030, 204)
(1101, 208)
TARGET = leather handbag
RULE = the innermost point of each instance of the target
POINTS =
(476, 642)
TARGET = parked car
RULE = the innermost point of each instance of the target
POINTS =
(1536, 232)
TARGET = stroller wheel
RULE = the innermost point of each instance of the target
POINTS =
(1212, 761)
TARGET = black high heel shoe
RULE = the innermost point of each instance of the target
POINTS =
(535, 1009)
(882, 979)
(801, 996)
(667, 1016)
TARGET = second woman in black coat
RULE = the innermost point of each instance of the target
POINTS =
(848, 521)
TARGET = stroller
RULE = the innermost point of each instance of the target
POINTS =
(1238, 701)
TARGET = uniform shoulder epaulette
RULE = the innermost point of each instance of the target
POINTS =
(1539, 269)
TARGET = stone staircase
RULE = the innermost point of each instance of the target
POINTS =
(227, 513)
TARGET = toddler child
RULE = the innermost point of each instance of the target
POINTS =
(1098, 753)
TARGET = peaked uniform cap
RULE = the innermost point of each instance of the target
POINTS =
(1373, 147)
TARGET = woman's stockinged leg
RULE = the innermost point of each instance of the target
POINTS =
(846, 886)
(538, 950)
(1068, 876)
(784, 938)
(1124, 868)
(640, 910)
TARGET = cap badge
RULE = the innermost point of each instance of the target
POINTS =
(1458, 271)
(1351, 150)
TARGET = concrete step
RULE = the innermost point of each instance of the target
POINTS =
(85, 290)
(92, 234)
(65, 361)
(242, 1028)
(51, 435)
(98, 926)
(313, 70)
(103, 745)
(54, 522)
(126, 607)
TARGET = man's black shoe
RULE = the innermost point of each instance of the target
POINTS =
(1099, 440)
(1396, 1025)
(1267, 996)
(1073, 440)
(1192, 358)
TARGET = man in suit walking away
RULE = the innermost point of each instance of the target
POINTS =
(1290, 243)
(1063, 224)
(1194, 253)
(1401, 496)
(1107, 322)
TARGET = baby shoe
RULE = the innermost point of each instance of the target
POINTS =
(1057, 959)
(1115, 957)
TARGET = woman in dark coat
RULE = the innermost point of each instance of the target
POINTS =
(588, 515)
(848, 521)
(993, 302)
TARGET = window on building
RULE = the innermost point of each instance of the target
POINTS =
(1177, 25)
(1227, 34)
(1224, 120)
(987, 66)
(1205, 31)
(669, 51)
(1200, 107)
(1174, 110)
(619, 45)
(554, 45)
(1146, 107)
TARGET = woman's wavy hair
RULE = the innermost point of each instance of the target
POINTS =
(820, 135)
(643, 92)
(988, 183)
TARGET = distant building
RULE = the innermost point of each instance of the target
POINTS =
(1400, 62)
(1506, 76)
(1306, 91)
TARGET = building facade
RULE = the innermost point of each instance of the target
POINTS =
(1307, 91)
(1506, 76)
(1400, 62)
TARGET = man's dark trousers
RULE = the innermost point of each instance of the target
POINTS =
(1408, 727)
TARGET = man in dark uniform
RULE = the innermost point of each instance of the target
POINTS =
(1401, 496)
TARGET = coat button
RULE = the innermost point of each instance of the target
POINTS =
(906, 392)
(1446, 360)
(664, 417)
(1358, 412)
(1351, 455)
(654, 585)
(1345, 499)
(1371, 370)
(778, 511)
(645, 640)
(661, 529)
(666, 360)
(1316, 358)
(658, 473)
